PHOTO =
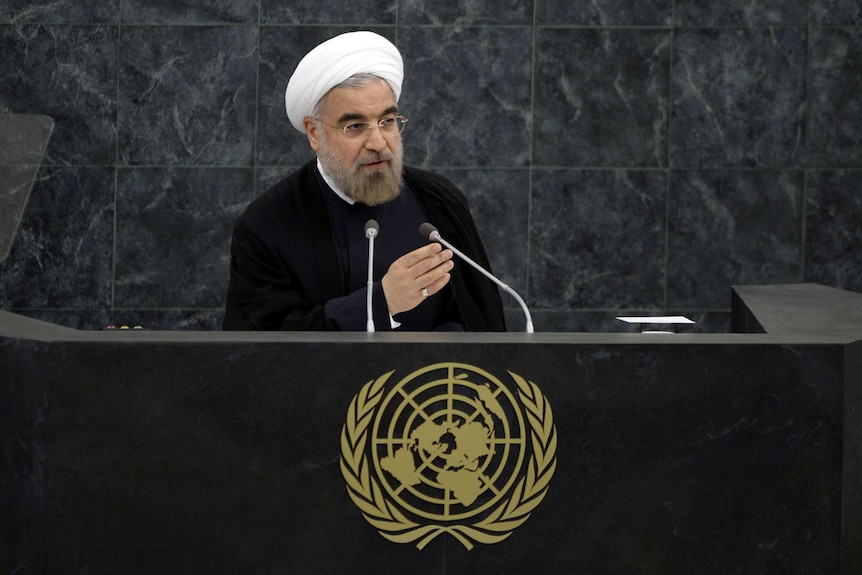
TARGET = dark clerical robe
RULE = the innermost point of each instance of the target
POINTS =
(295, 259)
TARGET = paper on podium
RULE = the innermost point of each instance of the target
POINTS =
(657, 323)
(655, 319)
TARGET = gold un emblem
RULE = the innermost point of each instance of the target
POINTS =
(449, 449)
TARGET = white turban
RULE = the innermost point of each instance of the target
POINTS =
(333, 62)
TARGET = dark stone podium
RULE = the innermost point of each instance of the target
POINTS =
(207, 452)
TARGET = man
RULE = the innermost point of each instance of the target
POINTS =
(299, 252)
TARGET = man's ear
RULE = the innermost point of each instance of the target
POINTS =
(311, 130)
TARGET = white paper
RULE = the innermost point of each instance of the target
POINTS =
(668, 319)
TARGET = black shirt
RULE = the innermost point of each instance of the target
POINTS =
(398, 222)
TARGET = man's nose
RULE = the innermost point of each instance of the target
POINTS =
(375, 140)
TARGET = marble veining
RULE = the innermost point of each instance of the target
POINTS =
(62, 255)
(369, 13)
(601, 98)
(605, 12)
(743, 13)
(20, 12)
(749, 223)
(173, 235)
(469, 96)
(499, 200)
(69, 74)
(465, 12)
(739, 98)
(597, 236)
(194, 92)
(836, 12)
(188, 11)
(834, 106)
(833, 245)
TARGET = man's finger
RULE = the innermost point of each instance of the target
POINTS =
(410, 259)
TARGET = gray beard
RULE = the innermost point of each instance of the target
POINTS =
(372, 188)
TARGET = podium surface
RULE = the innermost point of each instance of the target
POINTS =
(215, 452)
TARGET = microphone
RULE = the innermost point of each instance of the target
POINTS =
(371, 230)
(428, 231)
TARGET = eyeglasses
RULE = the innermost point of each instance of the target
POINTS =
(389, 127)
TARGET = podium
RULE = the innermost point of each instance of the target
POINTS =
(213, 452)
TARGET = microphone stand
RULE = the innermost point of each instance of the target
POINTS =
(371, 229)
(430, 232)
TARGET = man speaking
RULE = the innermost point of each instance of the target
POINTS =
(299, 254)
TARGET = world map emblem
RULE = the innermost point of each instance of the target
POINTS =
(448, 449)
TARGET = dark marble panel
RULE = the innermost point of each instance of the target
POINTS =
(173, 235)
(727, 228)
(597, 239)
(61, 257)
(569, 321)
(741, 13)
(70, 74)
(360, 15)
(188, 11)
(467, 94)
(82, 319)
(833, 234)
(465, 12)
(605, 12)
(186, 95)
(500, 203)
(281, 49)
(601, 97)
(268, 177)
(59, 12)
(738, 98)
(707, 321)
(516, 321)
(836, 12)
(169, 319)
(834, 108)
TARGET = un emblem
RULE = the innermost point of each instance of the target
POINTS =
(449, 449)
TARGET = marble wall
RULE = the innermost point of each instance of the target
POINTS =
(621, 156)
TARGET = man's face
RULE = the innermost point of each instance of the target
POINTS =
(367, 167)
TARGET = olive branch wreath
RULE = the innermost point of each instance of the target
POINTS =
(392, 524)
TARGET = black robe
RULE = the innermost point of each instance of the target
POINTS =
(285, 262)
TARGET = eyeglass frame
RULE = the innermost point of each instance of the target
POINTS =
(368, 126)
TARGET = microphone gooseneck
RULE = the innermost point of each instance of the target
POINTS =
(430, 233)
(371, 231)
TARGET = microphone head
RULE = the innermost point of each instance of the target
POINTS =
(426, 229)
(371, 229)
